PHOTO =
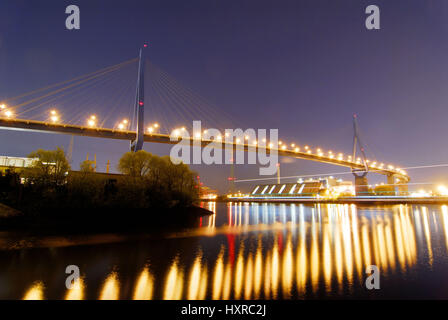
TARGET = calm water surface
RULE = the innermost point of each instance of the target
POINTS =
(245, 251)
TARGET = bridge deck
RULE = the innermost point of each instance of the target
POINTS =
(40, 126)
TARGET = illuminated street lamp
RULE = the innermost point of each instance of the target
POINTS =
(54, 117)
(8, 114)
(122, 125)
(153, 128)
(91, 122)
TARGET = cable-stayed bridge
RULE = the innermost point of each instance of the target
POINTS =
(166, 97)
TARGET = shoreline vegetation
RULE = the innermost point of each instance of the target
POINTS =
(150, 193)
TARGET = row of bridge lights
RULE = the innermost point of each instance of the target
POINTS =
(293, 147)
(123, 125)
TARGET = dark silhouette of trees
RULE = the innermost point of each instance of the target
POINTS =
(87, 166)
(159, 176)
(49, 167)
(148, 181)
(136, 164)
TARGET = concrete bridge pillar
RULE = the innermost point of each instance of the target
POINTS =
(361, 185)
(391, 183)
(400, 186)
(403, 189)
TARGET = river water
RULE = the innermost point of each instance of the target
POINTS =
(245, 251)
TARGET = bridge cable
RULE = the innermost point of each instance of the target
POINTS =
(71, 80)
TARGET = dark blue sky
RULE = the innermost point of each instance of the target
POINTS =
(303, 67)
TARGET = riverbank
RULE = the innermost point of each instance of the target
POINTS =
(99, 220)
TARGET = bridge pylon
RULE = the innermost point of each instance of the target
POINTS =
(361, 182)
(139, 108)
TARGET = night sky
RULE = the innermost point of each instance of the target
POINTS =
(303, 67)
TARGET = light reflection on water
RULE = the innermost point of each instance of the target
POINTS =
(144, 286)
(262, 251)
(35, 292)
(77, 291)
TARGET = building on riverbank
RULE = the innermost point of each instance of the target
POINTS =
(310, 188)
(14, 163)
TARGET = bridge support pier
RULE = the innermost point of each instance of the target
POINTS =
(391, 183)
(403, 189)
(400, 187)
(361, 185)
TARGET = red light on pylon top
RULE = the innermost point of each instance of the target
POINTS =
(145, 45)
(141, 103)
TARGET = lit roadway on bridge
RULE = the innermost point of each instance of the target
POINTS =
(51, 127)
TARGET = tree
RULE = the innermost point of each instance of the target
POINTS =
(177, 177)
(135, 164)
(160, 176)
(87, 166)
(385, 190)
(49, 166)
